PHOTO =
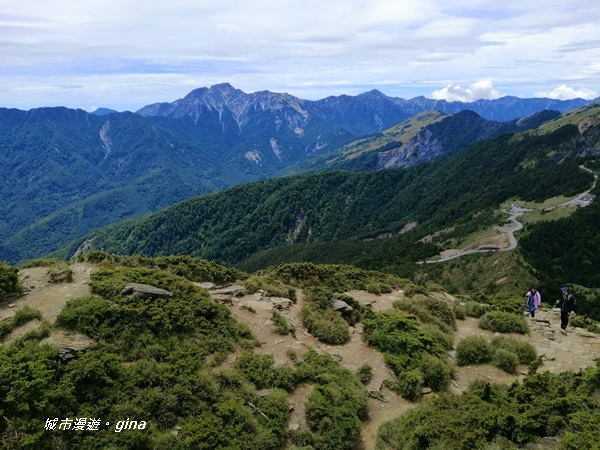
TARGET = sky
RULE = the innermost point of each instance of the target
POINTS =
(125, 54)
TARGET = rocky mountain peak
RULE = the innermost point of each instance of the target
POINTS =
(373, 93)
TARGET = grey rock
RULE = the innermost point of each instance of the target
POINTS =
(145, 291)
(281, 303)
(339, 305)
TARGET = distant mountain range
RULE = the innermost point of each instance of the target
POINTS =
(67, 172)
(337, 216)
(373, 110)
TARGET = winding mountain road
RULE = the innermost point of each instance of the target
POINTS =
(513, 225)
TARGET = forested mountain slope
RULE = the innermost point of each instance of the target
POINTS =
(230, 226)
(427, 136)
(67, 172)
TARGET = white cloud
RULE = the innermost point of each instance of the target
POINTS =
(483, 89)
(310, 49)
(563, 92)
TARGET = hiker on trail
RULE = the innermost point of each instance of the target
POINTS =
(534, 300)
(567, 306)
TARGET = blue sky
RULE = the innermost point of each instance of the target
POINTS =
(125, 54)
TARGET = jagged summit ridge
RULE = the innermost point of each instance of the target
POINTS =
(224, 99)
(373, 106)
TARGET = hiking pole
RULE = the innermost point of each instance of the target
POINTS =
(549, 312)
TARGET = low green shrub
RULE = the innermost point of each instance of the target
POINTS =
(280, 323)
(327, 326)
(41, 332)
(525, 352)
(321, 320)
(60, 272)
(43, 262)
(413, 353)
(336, 405)
(92, 315)
(487, 416)
(409, 384)
(506, 360)
(26, 314)
(473, 350)
(434, 287)
(441, 310)
(429, 310)
(503, 322)
(5, 328)
(474, 309)
(395, 333)
(376, 287)
(445, 339)
(504, 352)
(337, 277)
(259, 370)
(585, 322)
(9, 281)
(460, 311)
(194, 269)
(271, 287)
(583, 431)
(507, 303)
(436, 373)
(365, 373)
(21, 317)
(411, 289)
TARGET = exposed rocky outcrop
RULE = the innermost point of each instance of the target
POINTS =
(145, 291)
(340, 305)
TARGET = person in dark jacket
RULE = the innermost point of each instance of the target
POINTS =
(567, 306)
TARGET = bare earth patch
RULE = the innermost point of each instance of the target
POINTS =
(572, 352)
(255, 311)
(49, 299)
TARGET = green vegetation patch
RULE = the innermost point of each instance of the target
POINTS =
(151, 363)
(280, 323)
(473, 350)
(134, 323)
(336, 406)
(154, 361)
(42, 262)
(60, 272)
(194, 269)
(337, 277)
(503, 322)
(21, 317)
(9, 281)
(415, 355)
(436, 317)
(321, 320)
(544, 405)
(271, 286)
(585, 322)
(525, 351)
(430, 310)
(505, 353)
